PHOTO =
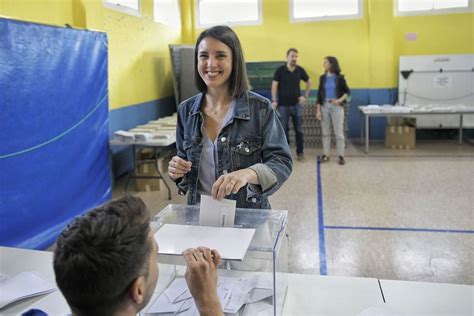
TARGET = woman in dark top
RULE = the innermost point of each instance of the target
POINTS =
(332, 95)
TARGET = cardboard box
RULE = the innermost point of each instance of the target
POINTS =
(147, 169)
(400, 137)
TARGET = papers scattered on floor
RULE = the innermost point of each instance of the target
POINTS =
(235, 294)
(23, 285)
(232, 243)
(216, 213)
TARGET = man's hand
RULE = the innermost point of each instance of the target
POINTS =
(274, 104)
(201, 277)
(232, 182)
(178, 167)
(302, 100)
(336, 102)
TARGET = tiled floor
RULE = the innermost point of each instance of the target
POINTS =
(414, 196)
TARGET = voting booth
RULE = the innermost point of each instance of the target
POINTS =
(54, 129)
(253, 269)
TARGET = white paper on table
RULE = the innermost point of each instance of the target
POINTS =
(232, 243)
(233, 293)
(23, 285)
(256, 295)
(186, 295)
(164, 305)
(224, 295)
(192, 311)
(216, 213)
(176, 290)
(239, 293)
(261, 282)
(187, 305)
(259, 309)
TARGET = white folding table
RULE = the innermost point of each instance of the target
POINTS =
(367, 112)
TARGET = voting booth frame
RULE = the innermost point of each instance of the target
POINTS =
(265, 259)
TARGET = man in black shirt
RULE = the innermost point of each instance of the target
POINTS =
(286, 82)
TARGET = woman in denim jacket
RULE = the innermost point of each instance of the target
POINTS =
(230, 142)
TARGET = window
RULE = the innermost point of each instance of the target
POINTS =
(229, 12)
(126, 6)
(319, 10)
(423, 7)
(167, 12)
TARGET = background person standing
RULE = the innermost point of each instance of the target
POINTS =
(286, 81)
(332, 95)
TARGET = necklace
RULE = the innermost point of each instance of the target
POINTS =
(217, 110)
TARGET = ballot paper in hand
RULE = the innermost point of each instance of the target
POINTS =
(23, 285)
(216, 213)
(232, 243)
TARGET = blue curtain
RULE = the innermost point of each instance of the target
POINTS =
(54, 161)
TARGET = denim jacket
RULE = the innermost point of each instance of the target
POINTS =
(254, 138)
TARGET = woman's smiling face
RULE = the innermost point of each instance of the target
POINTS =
(214, 62)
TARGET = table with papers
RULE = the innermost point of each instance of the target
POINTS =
(159, 135)
(369, 111)
(23, 285)
(234, 293)
(307, 294)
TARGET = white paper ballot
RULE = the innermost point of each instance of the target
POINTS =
(163, 305)
(234, 294)
(23, 285)
(232, 243)
(216, 213)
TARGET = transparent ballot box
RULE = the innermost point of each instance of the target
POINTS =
(255, 285)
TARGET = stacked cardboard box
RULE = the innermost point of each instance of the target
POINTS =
(146, 166)
(312, 127)
(147, 169)
(401, 134)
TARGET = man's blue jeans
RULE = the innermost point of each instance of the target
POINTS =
(296, 114)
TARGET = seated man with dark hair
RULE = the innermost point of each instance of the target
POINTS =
(106, 263)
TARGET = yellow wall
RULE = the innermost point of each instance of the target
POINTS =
(314, 41)
(56, 12)
(437, 34)
(367, 48)
(380, 60)
(139, 62)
